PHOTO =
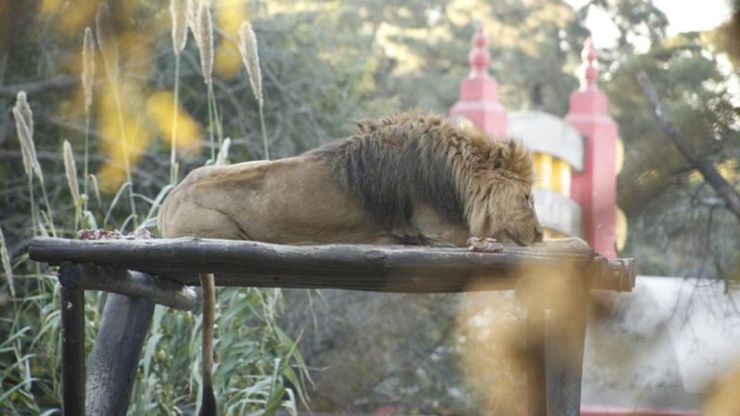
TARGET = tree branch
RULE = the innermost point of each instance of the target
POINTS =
(723, 188)
(57, 82)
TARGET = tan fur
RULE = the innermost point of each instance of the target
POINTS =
(317, 198)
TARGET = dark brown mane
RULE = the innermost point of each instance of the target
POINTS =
(397, 161)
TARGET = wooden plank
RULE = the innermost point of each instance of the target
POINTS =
(357, 267)
(73, 351)
(115, 355)
(129, 283)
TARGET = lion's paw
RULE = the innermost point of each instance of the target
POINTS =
(485, 245)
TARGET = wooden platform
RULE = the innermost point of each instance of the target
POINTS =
(356, 267)
(141, 273)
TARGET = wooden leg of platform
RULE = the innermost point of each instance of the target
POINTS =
(564, 341)
(115, 355)
(73, 351)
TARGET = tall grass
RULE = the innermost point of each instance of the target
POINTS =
(203, 33)
(108, 45)
(24, 128)
(259, 369)
(88, 80)
(179, 14)
(251, 59)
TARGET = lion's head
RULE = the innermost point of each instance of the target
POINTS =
(500, 202)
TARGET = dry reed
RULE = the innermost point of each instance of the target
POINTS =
(192, 10)
(70, 170)
(24, 126)
(204, 39)
(107, 42)
(88, 67)
(108, 46)
(250, 58)
(179, 13)
(223, 152)
(96, 189)
(7, 266)
(88, 80)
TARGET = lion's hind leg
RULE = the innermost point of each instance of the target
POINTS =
(201, 222)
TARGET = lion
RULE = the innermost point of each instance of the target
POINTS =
(410, 178)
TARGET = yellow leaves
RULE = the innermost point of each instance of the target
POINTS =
(229, 16)
(729, 170)
(648, 177)
(141, 129)
(228, 61)
(70, 17)
(160, 107)
(111, 142)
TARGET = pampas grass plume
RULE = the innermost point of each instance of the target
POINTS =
(88, 67)
(192, 17)
(204, 39)
(179, 13)
(250, 58)
(24, 127)
(107, 42)
(70, 170)
(6, 263)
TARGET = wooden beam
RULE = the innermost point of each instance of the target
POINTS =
(115, 355)
(129, 283)
(73, 352)
(357, 267)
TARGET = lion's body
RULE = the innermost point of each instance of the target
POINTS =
(403, 179)
(290, 201)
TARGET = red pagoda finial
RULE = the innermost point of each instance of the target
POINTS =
(589, 71)
(479, 56)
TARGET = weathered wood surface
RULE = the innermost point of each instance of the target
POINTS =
(73, 351)
(115, 356)
(125, 282)
(357, 267)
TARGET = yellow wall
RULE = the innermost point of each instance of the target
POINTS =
(552, 173)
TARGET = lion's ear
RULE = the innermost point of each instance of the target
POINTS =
(498, 162)
(498, 158)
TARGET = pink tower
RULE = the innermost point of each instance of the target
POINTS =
(479, 91)
(595, 188)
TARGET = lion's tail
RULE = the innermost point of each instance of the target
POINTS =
(208, 405)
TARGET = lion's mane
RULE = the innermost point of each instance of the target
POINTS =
(394, 162)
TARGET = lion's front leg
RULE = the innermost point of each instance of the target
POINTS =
(433, 230)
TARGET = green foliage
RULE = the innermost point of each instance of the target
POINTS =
(677, 223)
